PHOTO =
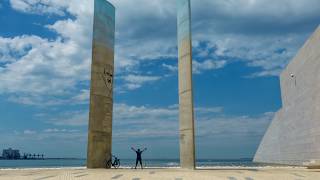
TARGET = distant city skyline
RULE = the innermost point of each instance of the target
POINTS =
(239, 49)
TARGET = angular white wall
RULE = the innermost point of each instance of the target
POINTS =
(293, 136)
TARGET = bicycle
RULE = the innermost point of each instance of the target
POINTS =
(115, 163)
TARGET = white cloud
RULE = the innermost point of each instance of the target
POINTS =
(55, 130)
(48, 71)
(270, 54)
(83, 97)
(251, 34)
(208, 110)
(73, 142)
(124, 114)
(142, 122)
(71, 118)
(40, 6)
(171, 68)
(228, 126)
(52, 133)
(51, 130)
(256, 31)
(269, 9)
(41, 71)
(151, 122)
(132, 114)
(156, 122)
(274, 72)
(132, 82)
(28, 132)
(19, 46)
(198, 67)
(136, 123)
(144, 33)
(128, 53)
(133, 121)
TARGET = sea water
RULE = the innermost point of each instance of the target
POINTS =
(126, 163)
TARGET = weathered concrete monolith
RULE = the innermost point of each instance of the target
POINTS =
(186, 116)
(101, 91)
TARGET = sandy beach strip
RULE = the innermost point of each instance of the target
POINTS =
(267, 173)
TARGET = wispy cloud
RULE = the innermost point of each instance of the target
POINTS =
(199, 67)
(144, 124)
(132, 81)
(207, 65)
(70, 118)
(62, 63)
(57, 7)
(48, 70)
(172, 68)
(73, 142)
(148, 121)
(28, 132)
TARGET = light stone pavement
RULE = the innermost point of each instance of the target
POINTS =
(163, 174)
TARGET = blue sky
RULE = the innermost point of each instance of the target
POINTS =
(239, 46)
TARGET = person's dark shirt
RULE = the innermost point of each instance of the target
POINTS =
(139, 154)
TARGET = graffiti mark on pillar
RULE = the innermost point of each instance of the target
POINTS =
(107, 77)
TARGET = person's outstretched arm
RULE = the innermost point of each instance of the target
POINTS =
(144, 149)
(133, 149)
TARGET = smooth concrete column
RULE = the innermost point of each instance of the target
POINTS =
(101, 90)
(186, 116)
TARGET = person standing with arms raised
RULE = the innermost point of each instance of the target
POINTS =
(138, 158)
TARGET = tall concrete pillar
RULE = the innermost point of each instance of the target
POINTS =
(186, 116)
(101, 90)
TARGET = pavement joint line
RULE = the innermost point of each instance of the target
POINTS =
(117, 176)
(296, 174)
(232, 178)
(81, 175)
(248, 178)
(30, 174)
(46, 177)
(135, 178)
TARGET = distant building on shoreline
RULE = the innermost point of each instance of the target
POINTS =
(14, 154)
(11, 154)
